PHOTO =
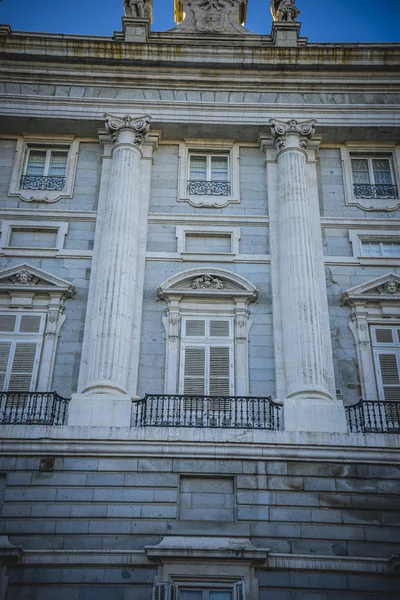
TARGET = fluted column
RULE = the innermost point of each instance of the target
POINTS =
(302, 322)
(109, 333)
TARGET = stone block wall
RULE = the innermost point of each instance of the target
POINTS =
(110, 505)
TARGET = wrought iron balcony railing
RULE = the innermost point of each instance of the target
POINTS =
(41, 182)
(207, 412)
(33, 408)
(380, 191)
(374, 416)
(209, 188)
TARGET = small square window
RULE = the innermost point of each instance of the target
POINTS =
(209, 175)
(373, 177)
(45, 169)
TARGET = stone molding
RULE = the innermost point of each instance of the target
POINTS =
(197, 547)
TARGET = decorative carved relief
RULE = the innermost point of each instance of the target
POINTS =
(284, 10)
(24, 277)
(139, 127)
(211, 16)
(207, 282)
(280, 130)
(391, 287)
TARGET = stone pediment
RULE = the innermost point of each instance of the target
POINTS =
(386, 287)
(208, 282)
(25, 277)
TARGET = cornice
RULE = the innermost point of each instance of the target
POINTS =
(208, 444)
(191, 112)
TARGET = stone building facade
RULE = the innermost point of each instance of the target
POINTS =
(200, 252)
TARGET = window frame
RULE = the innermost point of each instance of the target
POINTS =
(370, 158)
(25, 289)
(6, 230)
(47, 164)
(207, 342)
(49, 143)
(183, 231)
(389, 150)
(192, 147)
(359, 236)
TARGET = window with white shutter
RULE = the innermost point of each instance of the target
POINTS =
(165, 591)
(198, 591)
(386, 341)
(21, 337)
(207, 357)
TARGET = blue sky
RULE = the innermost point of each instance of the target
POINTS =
(323, 20)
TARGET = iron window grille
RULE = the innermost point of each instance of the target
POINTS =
(45, 169)
(373, 178)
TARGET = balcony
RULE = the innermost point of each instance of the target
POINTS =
(207, 412)
(374, 416)
(33, 408)
(41, 182)
(380, 191)
(209, 188)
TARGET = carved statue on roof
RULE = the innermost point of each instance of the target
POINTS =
(138, 8)
(284, 10)
(211, 16)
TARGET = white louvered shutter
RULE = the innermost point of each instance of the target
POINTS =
(239, 591)
(5, 350)
(165, 591)
(194, 370)
(389, 369)
(219, 371)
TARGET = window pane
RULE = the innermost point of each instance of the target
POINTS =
(391, 249)
(382, 172)
(191, 595)
(360, 170)
(371, 249)
(220, 596)
(58, 164)
(198, 168)
(36, 162)
(219, 168)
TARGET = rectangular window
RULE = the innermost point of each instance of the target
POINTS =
(208, 244)
(21, 336)
(45, 169)
(207, 357)
(30, 237)
(209, 174)
(373, 177)
(197, 591)
(386, 342)
(389, 249)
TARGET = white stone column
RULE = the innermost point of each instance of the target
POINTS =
(109, 327)
(308, 404)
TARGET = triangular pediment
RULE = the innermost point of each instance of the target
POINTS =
(385, 287)
(29, 278)
(207, 281)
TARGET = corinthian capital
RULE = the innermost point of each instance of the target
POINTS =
(137, 128)
(292, 133)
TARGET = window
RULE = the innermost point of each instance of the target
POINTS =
(386, 342)
(207, 325)
(370, 174)
(208, 175)
(20, 346)
(31, 317)
(391, 249)
(196, 591)
(207, 240)
(207, 357)
(45, 169)
(32, 238)
(373, 177)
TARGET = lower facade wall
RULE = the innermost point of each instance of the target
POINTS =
(72, 516)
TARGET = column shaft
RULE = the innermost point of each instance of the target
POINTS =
(110, 330)
(300, 294)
